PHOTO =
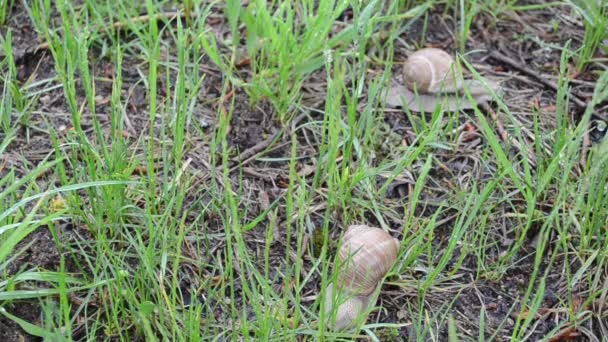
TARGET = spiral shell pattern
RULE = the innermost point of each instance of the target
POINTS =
(365, 256)
(426, 70)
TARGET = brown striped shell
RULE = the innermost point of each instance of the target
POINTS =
(427, 70)
(365, 256)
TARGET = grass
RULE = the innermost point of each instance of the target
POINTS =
(174, 240)
(595, 15)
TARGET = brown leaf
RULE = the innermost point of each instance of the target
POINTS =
(491, 306)
(568, 334)
(140, 171)
(243, 62)
(470, 132)
(577, 303)
(282, 183)
(217, 280)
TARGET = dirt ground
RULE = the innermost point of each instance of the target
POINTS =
(523, 95)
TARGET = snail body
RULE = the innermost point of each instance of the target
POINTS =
(430, 81)
(364, 258)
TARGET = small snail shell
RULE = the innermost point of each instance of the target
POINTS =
(427, 70)
(364, 258)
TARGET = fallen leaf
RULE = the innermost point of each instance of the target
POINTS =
(217, 280)
(470, 132)
(492, 306)
(140, 171)
(243, 62)
(568, 334)
(282, 183)
(44, 173)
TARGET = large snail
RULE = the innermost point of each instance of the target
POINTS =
(364, 258)
(430, 79)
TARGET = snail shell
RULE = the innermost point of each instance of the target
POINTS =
(349, 308)
(427, 70)
(365, 256)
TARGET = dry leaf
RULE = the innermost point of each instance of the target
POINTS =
(470, 132)
(568, 334)
(243, 62)
(282, 183)
(491, 307)
(217, 280)
(140, 171)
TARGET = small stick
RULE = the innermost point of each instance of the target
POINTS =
(514, 64)
(577, 98)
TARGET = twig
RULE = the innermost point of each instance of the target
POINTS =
(577, 98)
(525, 70)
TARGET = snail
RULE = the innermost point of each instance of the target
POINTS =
(364, 258)
(430, 78)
